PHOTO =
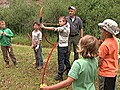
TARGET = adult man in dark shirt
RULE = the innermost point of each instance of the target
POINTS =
(76, 30)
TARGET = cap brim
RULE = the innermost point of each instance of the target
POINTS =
(71, 7)
(101, 24)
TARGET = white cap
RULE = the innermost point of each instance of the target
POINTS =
(110, 26)
(71, 7)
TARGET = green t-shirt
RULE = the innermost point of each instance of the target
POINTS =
(84, 71)
(118, 46)
(5, 40)
(118, 50)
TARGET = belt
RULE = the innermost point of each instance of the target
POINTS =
(73, 35)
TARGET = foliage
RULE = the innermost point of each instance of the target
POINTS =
(22, 13)
(91, 11)
(21, 40)
(25, 40)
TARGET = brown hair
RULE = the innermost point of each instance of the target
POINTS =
(35, 22)
(64, 18)
(88, 46)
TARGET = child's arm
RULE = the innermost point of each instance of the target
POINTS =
(38, 44)
(8, 33)
(99, 61)
(60, 85)
(47, 28)
(33, 43)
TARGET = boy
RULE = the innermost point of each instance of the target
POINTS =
(63, 58)
(84, 70)
(5, 41)
(37, 46)
(108, 55)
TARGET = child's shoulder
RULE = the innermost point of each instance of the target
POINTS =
(7, 29)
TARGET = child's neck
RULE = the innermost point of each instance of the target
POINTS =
(109, 36)
(35, 30)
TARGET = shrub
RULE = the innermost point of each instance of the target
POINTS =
(21, 13)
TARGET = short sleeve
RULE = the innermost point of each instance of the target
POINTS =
(59, 29)
(103, 51)
(40, 36)
(75, 70)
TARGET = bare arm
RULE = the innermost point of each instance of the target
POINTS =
(38, 42)
(60, 85)
(81, 32)
(47, 28)
(99, 61)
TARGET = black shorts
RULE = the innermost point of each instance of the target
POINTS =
(107, 83)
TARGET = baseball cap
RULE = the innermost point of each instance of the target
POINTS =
(71, 7)
(109, 25)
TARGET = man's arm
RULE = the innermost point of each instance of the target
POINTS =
(81, 33)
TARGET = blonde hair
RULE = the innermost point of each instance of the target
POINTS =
(88, 46)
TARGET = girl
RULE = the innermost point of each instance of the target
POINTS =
(84, 70)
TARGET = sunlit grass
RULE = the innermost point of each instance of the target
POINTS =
(25, 77)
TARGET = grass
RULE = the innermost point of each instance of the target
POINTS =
(25, 39)
(25, 77)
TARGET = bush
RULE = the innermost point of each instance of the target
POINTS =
(20, 16)
(22, 13)
(91, 11)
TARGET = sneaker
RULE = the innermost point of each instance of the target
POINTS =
(39, 68)
(58, 77)
(7, 66)
(15, 64)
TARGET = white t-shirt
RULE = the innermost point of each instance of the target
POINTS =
(64, 32)
(36, 35)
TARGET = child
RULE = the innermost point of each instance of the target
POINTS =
(63, 58)
(37, 46)
(108, 55)
(5, 41)
(84, 70)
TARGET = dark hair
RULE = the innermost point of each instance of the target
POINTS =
(88, 46)
(36, 23)
(69, 7)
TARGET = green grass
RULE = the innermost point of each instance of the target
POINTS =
(25, 77)
(25, 40)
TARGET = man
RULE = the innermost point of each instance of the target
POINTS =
(76, 30)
